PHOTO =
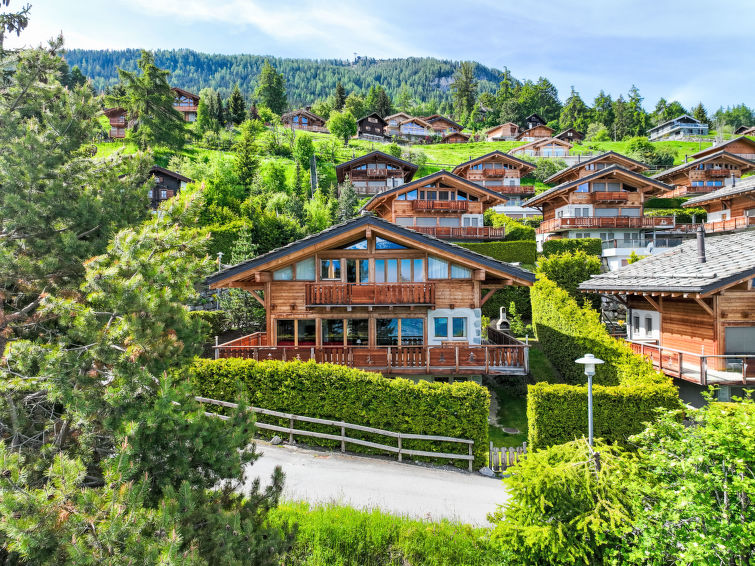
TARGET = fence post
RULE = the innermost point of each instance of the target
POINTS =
(399, 447)
(471, 456)
(490, 455)
(487, 367)
(526, 359)
(343, 437)
(217, 352)
(291, 429)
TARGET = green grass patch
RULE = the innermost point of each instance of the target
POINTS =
(680, 148)
(540, 368)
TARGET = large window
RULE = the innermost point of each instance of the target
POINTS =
(441, 327)
(306, 332)
(357, 331)
(459, 327)
(412, 331)
(284, 274)
(386, 331)
(330, 269)
(332, 332)
(404, 331)
(459, 272)
(305, 270)
(437, 268)
(285, 332)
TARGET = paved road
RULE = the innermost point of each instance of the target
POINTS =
(403, 489)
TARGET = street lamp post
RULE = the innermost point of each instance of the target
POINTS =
(589, 361)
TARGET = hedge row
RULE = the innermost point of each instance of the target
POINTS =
(523, 251)
(515, 231)
(683, 215)
(591, 246)
(520, 296)
(328, 391)
(632, 388)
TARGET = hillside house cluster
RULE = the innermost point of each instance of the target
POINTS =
(679, 128)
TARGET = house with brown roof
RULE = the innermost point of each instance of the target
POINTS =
(167, 184)
(502, 132)
(375, 172)
(394, 122)
(571, 135)
(742, 147)
(539, 132)
(118, 124)
(456, 137)
(705, 174)
(415, 129)
(442, 125)
(304, 119)
(591, 165)
(548, 147)
(371, 127)
(186, 103)
(729, 208)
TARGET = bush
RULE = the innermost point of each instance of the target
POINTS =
(328, 391)
(660, 202)
(515, 231)
(520, 296)
(566, 332)
(591, 246)
(568, 270)
(522, 251)
(223, 237)
(547, 167)
(217, 321)
(683, 215)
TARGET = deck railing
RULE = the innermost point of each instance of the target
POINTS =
(350, 294)
(441, 205)
(610, 196)
(555, 224)
(736, 223)
(462, 232)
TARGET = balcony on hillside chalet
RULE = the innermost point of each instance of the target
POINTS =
(610, 196)
(729, 225)
(610, 222)
(441, 205)
(512, 189)
(365, 174)
(462, 232)
(330, 294)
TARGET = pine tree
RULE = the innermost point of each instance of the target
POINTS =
(404, 98)
(464, 89)
(699, 113)
(242, 309)
(348, 200)
(148, 101)
(236, 107)
(206, 112)
(602, 109)
(575, 113)
(245, 162)
(383, 104)
(271, 89)
(219, 110)
(339, 97)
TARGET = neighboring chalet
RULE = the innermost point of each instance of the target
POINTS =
(456, 137)
(443, 205)
(442, 125)
(742, 130)
(741, 147)
(690, 310)
(370, 294)
(590, 166)
(502, 132)
(539, 132)
(415, 129)
(534, 120)
(186, 103)
(167, 185)
(304, 119)
(549, 147)
(607, 204)
(375, 172)
(394, 123)
(571, 135)
(679, 128)
(118, 124)
(371, 127)
(730, 208)
(705, 174)
(502, 173)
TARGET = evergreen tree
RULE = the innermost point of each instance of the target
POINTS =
(236, 107)
(253, 113)
(271, 89)
(464, 89)
(622, 119)
(602, 109)
(246, 163)
(699, 113)
(242, 309)
(348, 200)
(219, 110)
(304, 149)
(403, 98)
(148, 101)
(383, 104)
(339, 97)
(370, 101)
(207, 112)
(637, 115)
(575, 113)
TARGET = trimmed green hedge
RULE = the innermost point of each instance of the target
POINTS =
(591, 246)
(523, 251)
(503, 298)
(328, 391)
(515, 231)
(566, 332)
(660, 202)
(683, 215)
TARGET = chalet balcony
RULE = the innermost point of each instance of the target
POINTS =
(512, 189)
(184, 109)
(610, 196)
(611, 222)
(118, 122)
(456, 359)
(308, 128)
(441, 205)
(365, 174)
(461, 232)
(729, 225)
(374, 294)
(493, 173)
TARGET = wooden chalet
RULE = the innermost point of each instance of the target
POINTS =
(741, 147)
(705, 174)
(548, 147)
(607, 204)
(729, 208)
(590, 166)
(372, 127)
(456, 137)
(303, 119)
(534, 120)
(415, 129)
(443, 205)
(186, 103)
(394, 122)
(442, 125)
(678, 128)
(571, 135)
(502, 132)
(370, 294)
(375, 172)
(167, 185)
(118, 123)
(690, 310)
(742, 130)
(539, 132)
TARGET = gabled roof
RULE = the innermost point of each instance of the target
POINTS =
(544, 196)
(719, 146)
(462, 134)
(730, 258)
(416, 120)
(422, 181)
(742, 187)
(373, 115)
(304, 111)
(494, 128)
(523, 133)
(535, 117)
(437, 117)
(522, 275)
(114, 111)
(496, 153)
(567, 130)
(692, 164)
(410, 168)
(398, 115)
(543, 141)
(185, 93)
(168, 173)
(683, 118)
(610, 155)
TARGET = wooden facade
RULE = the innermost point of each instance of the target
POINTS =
(498, 171)
(375, 172)
(705, 174)
(370, 294)
(118, 123)
(502, 132)
(590, 166)
(534, 120)
(303, 119)
(456, 137)
(741, 147)
(371, 126)
(186, 103)
(729, 209)
(442, 126)
(394, 122)
(443, 205)
(539, 132)
(570, 135)
(415, 129)
(167, 185)
(547, 147)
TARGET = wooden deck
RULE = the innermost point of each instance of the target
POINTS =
(612, 222)
(462, 232)
(374, 294)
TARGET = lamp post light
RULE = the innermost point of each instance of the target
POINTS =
(589, 361)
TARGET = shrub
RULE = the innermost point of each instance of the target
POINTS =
(522, 251)
(328, 391)
(569, 269)
(661, 202)
(217, 321)
(683, 215)
(547, 167)
(515, 231)
(520, 296)
(591, 246)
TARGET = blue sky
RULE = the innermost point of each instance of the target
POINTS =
(692, 50)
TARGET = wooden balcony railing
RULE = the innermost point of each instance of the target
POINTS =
(462, 232)
(495, 173)
(350, 294)
(512, 189)
(556, 224)
(377, 172)
(729, 225)
(458, 359)
(441, 205)
(610, 196)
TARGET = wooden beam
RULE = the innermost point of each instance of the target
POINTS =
(487, 296)
(260, 300)
(479, 274)
(706, 307)
(656, 306)
(263, 276)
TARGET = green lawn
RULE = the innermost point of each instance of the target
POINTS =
(681, 148)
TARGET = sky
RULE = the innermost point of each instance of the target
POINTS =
(692, 50)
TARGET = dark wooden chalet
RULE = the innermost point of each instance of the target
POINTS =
(443, 205)
(304, 119)
(742, 130)
(502, 132)
(118, 123)
(741, 147)
(167, 185)
(571, 135)
(186, 103)
(370, 294)
(590, 166)
(690, 310)
(705, 174)
(729, 208)
(456, 137)
(375, 172)
(371, 126)
(534, 120)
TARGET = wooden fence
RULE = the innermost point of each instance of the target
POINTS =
(399, 450)
(501, 458)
